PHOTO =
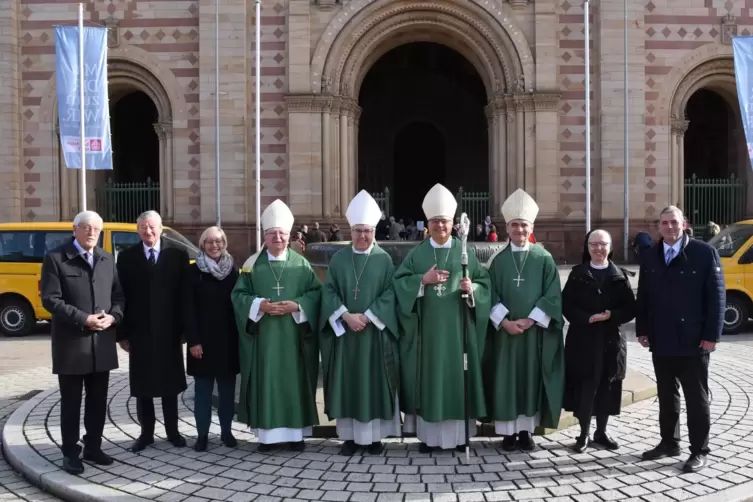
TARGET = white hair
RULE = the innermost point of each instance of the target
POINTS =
(87, 217)
(147, 215)
(602, 233)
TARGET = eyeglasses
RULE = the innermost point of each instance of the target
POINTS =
(598, 244)
(218, 242)
(362, 231)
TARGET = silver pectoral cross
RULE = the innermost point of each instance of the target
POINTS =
(355, 292)
(518, 280)
(439, 288)
(278, 288)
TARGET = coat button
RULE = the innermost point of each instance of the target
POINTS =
(682, 319)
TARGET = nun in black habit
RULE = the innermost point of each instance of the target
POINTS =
(597, 300)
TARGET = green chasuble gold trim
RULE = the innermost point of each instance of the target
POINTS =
(524, 374)
(431, 340)
(360, 369)
(279, 359)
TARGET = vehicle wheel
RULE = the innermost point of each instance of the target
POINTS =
(16, 317)
(735, 314)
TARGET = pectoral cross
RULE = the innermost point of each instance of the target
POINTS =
(439, 288)
(278, 288)
(355, 292)
(518, 280)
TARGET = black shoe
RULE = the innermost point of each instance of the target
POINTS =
(460, 448)
(375, 448)
(425, 448)
(201, 443)
(177, 440)
(581, 444)
(525, 442)
(695, 463)
(509, 443)
(348, 448)
(73, 465)
(229, 440)
(297, 446)
(265, 448)
(98, 457)
(661, 451)
(602, 439)
(141, 443)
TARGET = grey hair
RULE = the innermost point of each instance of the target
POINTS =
(603, 233)
(87, 216)
(205, 235)
(672, 210)
(154, 215)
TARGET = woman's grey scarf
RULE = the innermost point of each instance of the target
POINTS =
(219, 269)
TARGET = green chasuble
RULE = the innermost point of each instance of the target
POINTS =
(431, 340)
(360, 368)
(279, 358)
(525, 373)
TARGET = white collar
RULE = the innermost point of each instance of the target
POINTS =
(367, 251)
(446, 245)
(598, 267)
(82, 250)
(516, 249)
(282, 257)
(677, 246)
(156, 247)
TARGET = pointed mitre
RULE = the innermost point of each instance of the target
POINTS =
(520, 206)
(277, 215)
(439, 202)
(363, 210)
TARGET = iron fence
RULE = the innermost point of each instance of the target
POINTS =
(124, 202)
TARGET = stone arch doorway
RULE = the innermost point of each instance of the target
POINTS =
(422, 122)
(142, 138)
(709, 162)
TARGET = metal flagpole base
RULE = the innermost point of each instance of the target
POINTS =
(468, 454)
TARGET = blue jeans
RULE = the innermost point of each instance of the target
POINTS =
(202, 410)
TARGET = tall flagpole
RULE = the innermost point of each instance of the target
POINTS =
(218, 216)
(626, 195)
(258, 124)
(587, 62)
(82, 174)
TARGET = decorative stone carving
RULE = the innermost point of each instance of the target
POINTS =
(523, 102)
(517, 4)
(326, 4)
(729, 29)
(721, 66)
(308, 103)
(326, 85)
(113, 32)
(159, 130)
(520, 84)
(546, 100)
(679, 127)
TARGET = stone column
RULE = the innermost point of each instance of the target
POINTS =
(344, 154)
(305, 167)
(545, 136)
(677, 185)
(492, 125)
(326, 159)
(520, 145)
(166, 183)
(354, 140)
(162, 188)
(511, 142)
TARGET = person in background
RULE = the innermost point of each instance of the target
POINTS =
(597, 299)
(334, 233)
(154, 278)
(297, 244)
(479, 236)
(80, 288)
(689, 232)
(711, 231)
(680, 314)
(212, 335)
(493, 237)
(641, 243)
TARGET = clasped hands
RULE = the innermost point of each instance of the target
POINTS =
(278, 308)
(436, 276)
(604, 316)
(517, 327)
(99, 322)
(355, 322)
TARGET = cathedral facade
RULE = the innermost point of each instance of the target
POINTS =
(392, 96)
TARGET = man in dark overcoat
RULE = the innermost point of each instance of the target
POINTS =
(80, 289)
(680, 313)
(153, 277)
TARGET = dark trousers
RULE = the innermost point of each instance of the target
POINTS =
(692, 372)
(145, 414)
(95, 410)
(202, 410)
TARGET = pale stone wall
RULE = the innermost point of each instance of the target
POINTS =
(12, 177)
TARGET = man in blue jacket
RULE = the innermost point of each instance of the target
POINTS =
(680, 314)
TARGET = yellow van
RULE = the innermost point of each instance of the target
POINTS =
(735, 247)
(22, 247)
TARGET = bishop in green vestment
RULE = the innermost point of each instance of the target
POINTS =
(525, 347)
(358, 336)
(276, 301)
(428, 287)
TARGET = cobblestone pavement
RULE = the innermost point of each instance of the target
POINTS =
(400, 474)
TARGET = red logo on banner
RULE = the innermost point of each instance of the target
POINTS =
(95, 145)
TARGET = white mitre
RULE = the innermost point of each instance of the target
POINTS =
(439, 203)
(277, 215)
(363, 210)
(520, 206)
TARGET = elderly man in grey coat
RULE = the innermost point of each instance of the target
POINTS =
(80, 288)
